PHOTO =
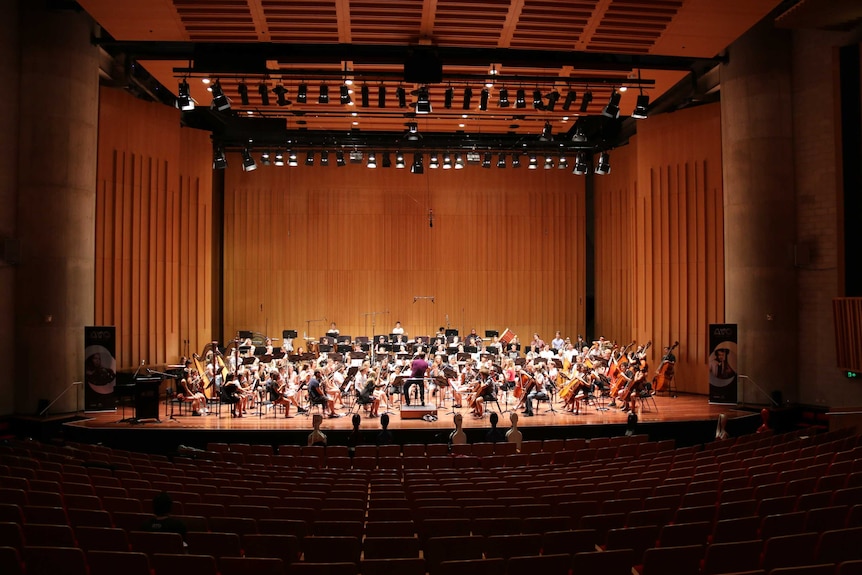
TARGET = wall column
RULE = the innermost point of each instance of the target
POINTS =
(58, 115)
(759, 210)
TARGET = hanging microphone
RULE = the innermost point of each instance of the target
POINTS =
(430, 218)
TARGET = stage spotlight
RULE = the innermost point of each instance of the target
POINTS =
(552, 101)
(582, 167)
(483, 99)
(219, 160)
(459, 162)
(579, 135)
(641, 106)
(381, 97)
(264, 158)
(521, 99)
(184, 99)
(323, 96)
(534, 164)
(486, 160)
(324, 158)
(309, 158)
(220, 101)
(549, 162)
(468, 96)
(563, 163)
(280, 93)
(501, 161)
(434, 162)
(423, 101)
(345, 95)
(412, 133)
(447, 161)
(604, 166)
(538, 103)
(504, 98)
(372, 160)
(243, 93)
(302, 94)
(339, 159)
(292, 160)
(417, 167)
(402, 97)
(585, 101)
(263, 90)
(516, 160)
(612, 108)
(248, 163)
(387, 161)
(364, 92)
(570, 99)
(448, 96)
(279, 158)
(399, 160)
(547, 133)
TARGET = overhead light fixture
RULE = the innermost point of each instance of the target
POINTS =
(220, 101)
(483, 99)
(468, 96)
(248, 163)
(501, 160)
(364, 92)
(372, 160)
(552, 101)
(504, 98)
(309, 158)
(265, 159)
(516, 160)
(585, 101)
(612, 108)
(447, 161)
(242, 88)
(604, 166)
(534, 164)
(345, 94)
(279, 158)
(459, 162)
(641, 106)
(448, 96)
(219, 160)
(423, 101)
(547, 133)
(324, 158)
(280, 92)
(582, 167)
(263, 90)
(579, 135)
(521, 99)
(387, 161)
(412, 133)
(302, 93)
(417, 167)
(434, 162)
(570, 99)
(184, 98)
(292, 161)
(381, 96)
(563, 163)
(486, 160)
(323, 95)
(399, 160)
(339, 159)
(538, 103)
(402, 97)
(549, 162)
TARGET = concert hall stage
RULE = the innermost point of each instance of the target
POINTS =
(689, 419)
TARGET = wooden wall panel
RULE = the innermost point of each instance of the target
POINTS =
(847, 315)
(660, 238)
(506, 250)
(153, 231)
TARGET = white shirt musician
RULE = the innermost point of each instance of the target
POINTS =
(397, 330)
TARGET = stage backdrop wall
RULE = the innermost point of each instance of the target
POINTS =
(660, 238)
(153, 230)
(506, 249)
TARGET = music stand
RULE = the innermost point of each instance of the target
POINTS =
(489, 333)
(245, 334)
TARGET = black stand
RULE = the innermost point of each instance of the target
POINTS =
(168, 394)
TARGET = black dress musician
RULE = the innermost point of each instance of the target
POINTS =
(230, 394)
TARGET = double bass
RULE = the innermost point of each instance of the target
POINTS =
(664, 373)
(616, 369)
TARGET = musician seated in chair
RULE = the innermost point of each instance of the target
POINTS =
(540, 391)
(317, 397)
(231, 394)
(484, 391)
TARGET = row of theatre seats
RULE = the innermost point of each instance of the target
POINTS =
(783, 504)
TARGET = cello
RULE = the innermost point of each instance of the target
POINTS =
(664, 373)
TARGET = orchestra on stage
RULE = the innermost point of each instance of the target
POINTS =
(339, 375)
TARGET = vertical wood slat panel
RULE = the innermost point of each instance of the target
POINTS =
(141, 160)
(847, 316)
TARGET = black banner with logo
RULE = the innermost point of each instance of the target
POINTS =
(723, 362)
(100, 368)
